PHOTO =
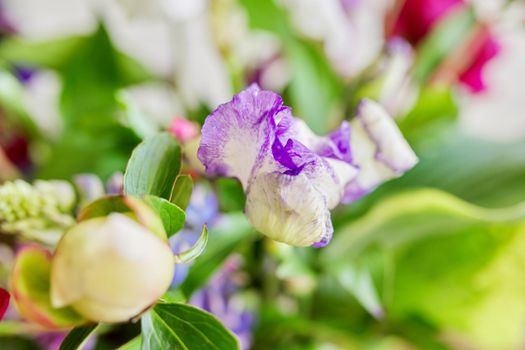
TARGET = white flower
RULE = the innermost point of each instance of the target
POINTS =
(110, 269)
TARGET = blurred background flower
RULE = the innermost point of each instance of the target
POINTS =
(430, 260)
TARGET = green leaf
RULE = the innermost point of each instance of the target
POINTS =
(230, 194)
(77, 337)
(266, 15)
(137, 120)
(435, 104)
(11, 101)
(144, 213)
(196, 250)
(229, 233)
(11, 328)
(133, 344)
(314, 87)
(479, 171)
(446, 261)
(30, 284)
(172, 216)
(50, 54)
(153, 167)
(181, 192)
(359, 282)
(180, 326)
(103, 207)
(84, 151)
(91, 73)
(419, 214)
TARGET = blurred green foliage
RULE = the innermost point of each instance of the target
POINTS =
(428, 261)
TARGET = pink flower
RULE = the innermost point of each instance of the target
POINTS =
(4, 302)
(418, 17)
(183, 129)
(416, 20)
(472, 77)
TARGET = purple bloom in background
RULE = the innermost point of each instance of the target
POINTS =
(202, 210)
(349, 5)
(50, 341)
(292, 177)
(24, 74)
(115, 184)
(89, 187)
(219, 297)
(6, 27)
(53, 340)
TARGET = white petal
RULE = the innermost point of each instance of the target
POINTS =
(288, 209)
(378, 149)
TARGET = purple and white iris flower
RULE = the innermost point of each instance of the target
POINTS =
(292, 177)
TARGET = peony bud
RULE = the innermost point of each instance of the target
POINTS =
(30, 287)
(110, 269)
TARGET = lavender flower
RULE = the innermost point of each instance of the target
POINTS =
(53, 340)
(202, 210)
(220, 298)
(292, 177)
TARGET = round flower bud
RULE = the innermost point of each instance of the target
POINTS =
(110, 269)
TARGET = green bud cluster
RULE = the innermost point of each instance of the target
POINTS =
(25, 208)
(19, 200)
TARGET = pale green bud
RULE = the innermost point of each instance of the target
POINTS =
(110, 269)
(40, 211)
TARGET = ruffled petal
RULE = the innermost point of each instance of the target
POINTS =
(379, 150)
(336, 145)
(289, 209)
(329, 176)
(237, 136)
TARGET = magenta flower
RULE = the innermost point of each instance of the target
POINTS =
(4, 302)
(184, 130)
(472, 77)
(292, 177)
(418, 17)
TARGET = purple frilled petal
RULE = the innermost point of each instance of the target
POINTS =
(237, 136)
(380, 150)
(293, 156)
(335, 146)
